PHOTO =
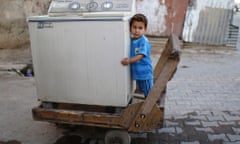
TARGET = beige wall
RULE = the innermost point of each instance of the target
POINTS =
(164, 18)
(13, 25)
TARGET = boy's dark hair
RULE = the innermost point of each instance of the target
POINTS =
(139, 18)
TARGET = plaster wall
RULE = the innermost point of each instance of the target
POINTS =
(13, 25)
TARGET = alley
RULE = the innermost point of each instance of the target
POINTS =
(201, 106)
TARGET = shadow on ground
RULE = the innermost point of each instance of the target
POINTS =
(10, 142)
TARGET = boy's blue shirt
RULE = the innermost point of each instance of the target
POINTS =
(141, 70)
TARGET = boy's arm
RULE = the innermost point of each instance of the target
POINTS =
(127, 61)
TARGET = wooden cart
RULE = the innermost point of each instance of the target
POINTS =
(138, 116)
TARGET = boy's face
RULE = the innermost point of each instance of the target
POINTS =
(137, 29)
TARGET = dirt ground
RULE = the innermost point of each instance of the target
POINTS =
(18, 97)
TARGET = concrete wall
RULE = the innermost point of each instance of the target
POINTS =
(13, 26)
(165, 17)
(156, 13)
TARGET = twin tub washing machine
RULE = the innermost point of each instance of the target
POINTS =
(77, 49)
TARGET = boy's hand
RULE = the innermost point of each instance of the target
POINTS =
(125, 61)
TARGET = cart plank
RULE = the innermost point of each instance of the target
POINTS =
(164, 71)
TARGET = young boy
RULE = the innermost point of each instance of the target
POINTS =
(140, 54)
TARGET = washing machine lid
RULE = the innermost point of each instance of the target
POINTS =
(92, 8)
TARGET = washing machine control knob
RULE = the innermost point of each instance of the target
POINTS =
(92, 6)
(74, 5)
(107, 6)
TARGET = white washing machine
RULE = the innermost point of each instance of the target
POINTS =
(77, 49)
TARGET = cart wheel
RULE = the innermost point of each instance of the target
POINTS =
(117, 137)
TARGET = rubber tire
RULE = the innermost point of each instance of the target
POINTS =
(117, 137)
